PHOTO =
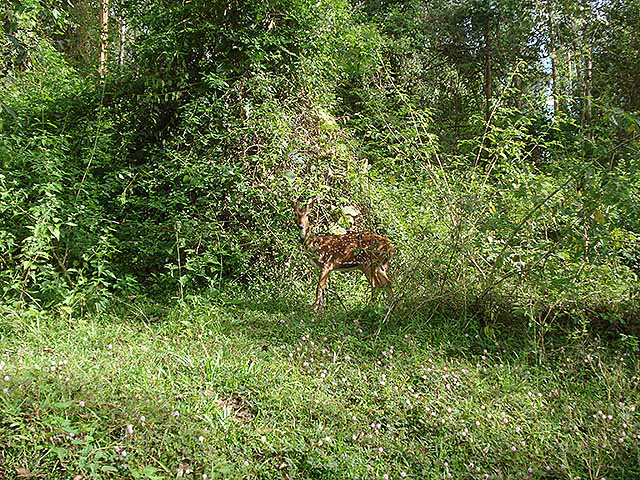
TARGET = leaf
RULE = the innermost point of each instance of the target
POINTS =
(598, 216)
(327, 121)
(489, 332)
(55, 231)
(350, 210)
(290, 176)
(61, 452)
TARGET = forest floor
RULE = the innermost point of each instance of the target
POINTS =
(252, 386)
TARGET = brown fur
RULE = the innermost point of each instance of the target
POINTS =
(364, 251)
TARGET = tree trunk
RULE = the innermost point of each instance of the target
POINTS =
(104, 37)
(488, 74)
(123, 43)
(571, 68)
(553, 54)
(519, 87)
(586, 87)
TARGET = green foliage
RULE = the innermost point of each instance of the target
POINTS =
(433, 120)
(55, 243)
(510, 236)
(169, 182)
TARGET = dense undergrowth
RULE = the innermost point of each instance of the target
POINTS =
(176, 175)
(85, 222)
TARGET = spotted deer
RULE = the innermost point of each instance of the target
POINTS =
(363, 251)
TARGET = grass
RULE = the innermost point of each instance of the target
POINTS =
(247, 385)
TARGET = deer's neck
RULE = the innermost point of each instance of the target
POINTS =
(309, 240)
(311, 248)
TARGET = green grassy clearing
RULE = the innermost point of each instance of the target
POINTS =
(250, 386)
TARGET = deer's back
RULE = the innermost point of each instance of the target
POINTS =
(352, 250)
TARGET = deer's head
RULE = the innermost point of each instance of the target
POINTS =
(302, 218)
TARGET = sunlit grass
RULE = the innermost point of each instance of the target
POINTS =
(250, 387)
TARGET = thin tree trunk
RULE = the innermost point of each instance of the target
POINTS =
(123, 43)
(104, 37)
(586, 93)
(519, 87)
(488, 74)
(571, 69)
(553, 54)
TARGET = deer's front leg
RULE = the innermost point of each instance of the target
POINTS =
(370, 273)
(322, 283)
(384, 281)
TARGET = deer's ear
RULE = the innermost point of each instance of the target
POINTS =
(294, 204)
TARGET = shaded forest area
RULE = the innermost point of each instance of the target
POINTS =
(152, 149)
